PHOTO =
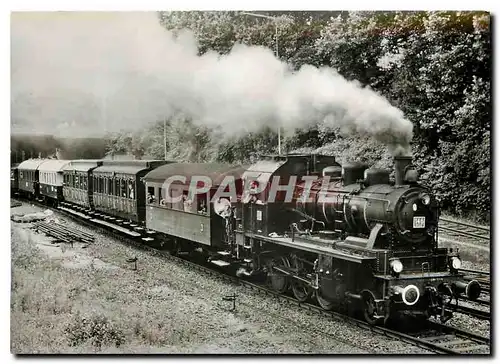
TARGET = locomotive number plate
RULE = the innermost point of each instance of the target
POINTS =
(419, 222)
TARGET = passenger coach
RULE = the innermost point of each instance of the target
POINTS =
(78, 183)
(118, 190)
(28, 177)
(50, 175)
(14, 179)
(191, 218)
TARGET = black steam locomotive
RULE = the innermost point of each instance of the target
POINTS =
(345, 236)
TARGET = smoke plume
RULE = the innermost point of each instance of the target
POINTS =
(85, 73)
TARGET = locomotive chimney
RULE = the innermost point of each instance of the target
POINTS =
(400, 165)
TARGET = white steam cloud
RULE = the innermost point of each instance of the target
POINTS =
(85, 73)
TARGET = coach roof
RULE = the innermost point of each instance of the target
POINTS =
(131, 167)
(30, 164)
(215, 171)
(82, 165)
(53, 165)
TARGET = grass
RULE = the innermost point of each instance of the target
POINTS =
(59, 310)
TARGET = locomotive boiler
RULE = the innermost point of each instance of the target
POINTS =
(354, 200)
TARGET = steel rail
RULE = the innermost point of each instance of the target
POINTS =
(457, 228)
(474, 312)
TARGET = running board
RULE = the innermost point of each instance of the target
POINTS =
(220, 263)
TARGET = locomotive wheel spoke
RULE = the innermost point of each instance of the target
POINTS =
(326, 304)
(370, 309)
(277, 280)
(300, 290)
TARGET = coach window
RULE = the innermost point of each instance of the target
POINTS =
(108, 186)
(175, 193)
(150, 196)
(77, 181)
(160, 198)
(123, 192)
(131, 189)
(201, 203)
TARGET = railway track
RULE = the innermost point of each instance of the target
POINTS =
(457, 229)
(481, 276)
(484, 300)
(435, 337)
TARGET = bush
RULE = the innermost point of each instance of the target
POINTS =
(95, 329)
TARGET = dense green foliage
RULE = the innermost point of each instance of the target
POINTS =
(435, 66)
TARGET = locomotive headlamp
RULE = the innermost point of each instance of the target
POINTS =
(456, 263)
(426, 199)
(396, 265)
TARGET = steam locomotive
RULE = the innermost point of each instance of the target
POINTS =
(343, 235)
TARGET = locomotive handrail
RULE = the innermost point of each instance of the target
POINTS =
(364, 197)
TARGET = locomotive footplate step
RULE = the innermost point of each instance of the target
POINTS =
(224, 253)
(148, 239)
(75, 213)
(117, 228)
(220, 263)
